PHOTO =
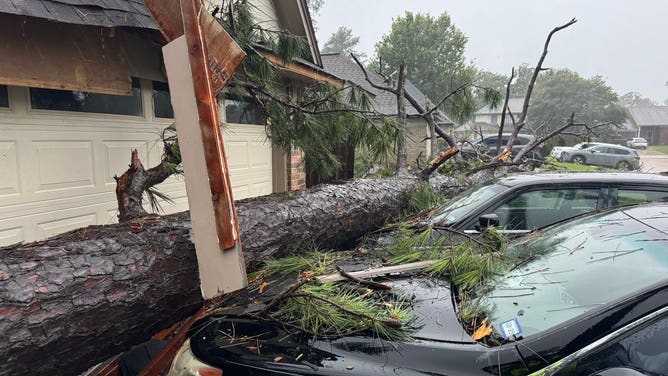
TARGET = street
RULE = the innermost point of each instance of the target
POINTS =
(653, 161)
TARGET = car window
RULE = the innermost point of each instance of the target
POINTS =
(535, 209)
(490, 141)
(460, 206)
(522, 140)
(575, 267)
(619, 151)
(632, 197)
(598, 149)
(645, 349)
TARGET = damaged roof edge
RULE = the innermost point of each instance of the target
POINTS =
(118, 13)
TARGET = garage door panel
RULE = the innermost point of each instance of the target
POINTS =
(63, 165)
(51, 228)
(117, 157)
(9, 184)
(237, 155)
(12, 235)
(249, 160)
(262, 157)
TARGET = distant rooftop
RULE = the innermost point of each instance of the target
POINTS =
(649, 115)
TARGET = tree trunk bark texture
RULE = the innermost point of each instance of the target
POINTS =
(69, 302)
(74, 300)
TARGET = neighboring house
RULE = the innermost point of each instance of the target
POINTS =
(65, 131)
(486, 120)
(385, 103)
(651, 123)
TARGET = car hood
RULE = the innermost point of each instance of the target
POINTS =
(237, 343)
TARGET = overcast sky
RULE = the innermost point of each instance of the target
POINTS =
(624, 41)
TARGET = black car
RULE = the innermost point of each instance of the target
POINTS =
(487, 145)
(590, 298)
(518, 204)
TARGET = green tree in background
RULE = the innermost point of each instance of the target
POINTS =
(433, 49)
(558, 93)
(343, 41)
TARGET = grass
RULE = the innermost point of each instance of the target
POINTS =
(553, 164)
(660, 148)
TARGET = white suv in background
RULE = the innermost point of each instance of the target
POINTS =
(637, 143)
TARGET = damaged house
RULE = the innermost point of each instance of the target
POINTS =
(82, 83)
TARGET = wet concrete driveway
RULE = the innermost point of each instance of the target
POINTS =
(653, 161)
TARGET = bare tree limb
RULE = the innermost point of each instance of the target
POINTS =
(527, 98)
(503, 112)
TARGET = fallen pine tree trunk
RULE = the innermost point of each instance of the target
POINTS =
(71, 301)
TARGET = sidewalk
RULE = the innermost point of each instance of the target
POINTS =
(653, 161)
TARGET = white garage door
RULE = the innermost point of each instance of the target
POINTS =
(248, 159)
(58, 167)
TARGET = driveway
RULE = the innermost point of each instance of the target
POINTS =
(653, 161)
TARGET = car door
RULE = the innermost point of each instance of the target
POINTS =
(524, 211)
(640, 348)
(598, 155)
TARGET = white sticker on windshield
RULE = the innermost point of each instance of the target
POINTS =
(510, 329)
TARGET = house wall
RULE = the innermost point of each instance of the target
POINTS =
(416, 146)
(265, 15)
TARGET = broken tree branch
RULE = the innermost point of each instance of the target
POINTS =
(527, 98)
(503, 112)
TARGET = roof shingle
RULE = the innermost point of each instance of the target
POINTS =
(649, 116)
(105, 13)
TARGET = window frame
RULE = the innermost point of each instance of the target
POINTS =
(89, 114)
(470, 223)
(605, 341)
(247, 100)
(9, 101)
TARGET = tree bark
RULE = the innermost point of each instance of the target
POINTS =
(402, 158)
(71, 301)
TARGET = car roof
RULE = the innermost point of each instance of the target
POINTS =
(583, 177)
(609, 145)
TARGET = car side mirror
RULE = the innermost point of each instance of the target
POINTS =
(488, 220)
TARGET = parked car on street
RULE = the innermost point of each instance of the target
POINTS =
(605, 155)
(487, 145)
(590, 297)
(518, 204)
(637, 143)
(557, 150)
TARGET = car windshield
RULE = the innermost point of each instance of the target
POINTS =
(575, 267)
(460, 206)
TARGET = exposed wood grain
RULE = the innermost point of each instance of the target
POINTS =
(403, 268)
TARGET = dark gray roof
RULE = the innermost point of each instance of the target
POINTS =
(105, 13)
(650, 115)
(343, 66)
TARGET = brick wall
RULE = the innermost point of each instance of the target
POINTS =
(296, 170)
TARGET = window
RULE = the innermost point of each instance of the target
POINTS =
(645, 350)
(4, 96)
(535, 209)
(81, 101)
(632, 197)
(244, 111)
(162, 103)
(494, 119)
(618, 151)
